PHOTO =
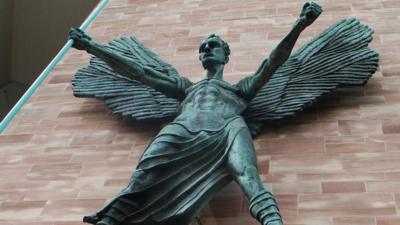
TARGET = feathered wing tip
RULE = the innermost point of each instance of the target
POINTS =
(124, 96)
(339, 56)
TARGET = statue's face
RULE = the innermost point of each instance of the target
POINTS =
(212, 53)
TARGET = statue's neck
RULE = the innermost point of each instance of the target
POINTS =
(216, 72)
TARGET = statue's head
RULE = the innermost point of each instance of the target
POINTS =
(213, 50)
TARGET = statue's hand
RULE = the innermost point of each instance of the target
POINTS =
(82, 41)
(309, 13)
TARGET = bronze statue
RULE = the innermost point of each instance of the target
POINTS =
(209, 142)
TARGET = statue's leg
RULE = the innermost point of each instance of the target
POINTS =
(242, 162)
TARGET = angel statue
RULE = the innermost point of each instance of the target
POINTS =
(209, 141)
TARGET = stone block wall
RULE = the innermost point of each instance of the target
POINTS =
(338, 163)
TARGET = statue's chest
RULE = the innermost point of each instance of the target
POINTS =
(209, 105)
(209, 94)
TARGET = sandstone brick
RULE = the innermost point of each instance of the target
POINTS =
(232, 220)
(388, 221)
(339, 113)
(290, 146)
(98, 193)
(21, 138)
(10, 173)
(116, 182)
(109, 169)
(28, 210)
(345, 139)
(287, 205)
(289, 188)
(67, 210)
(305, 164)
(55, 139)
(371, 162)
(366, 6)
(10, 196)
(50, 194)
(391, 126)
(343, 187)
(347, 205)
(383, 186)
(217, 207)
(310, 130)
(397, 198)
(317, 163)
(391, 4)
(78, 222)
(341, 176)
(99, 137)
(25, 222)
(354, 221)
(356, 147)
(54, 171)
(350, 127)
(45, 159)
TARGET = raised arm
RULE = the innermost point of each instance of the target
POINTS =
(249, 86)
(127, 67)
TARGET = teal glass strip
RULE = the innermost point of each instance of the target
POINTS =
(49, 68)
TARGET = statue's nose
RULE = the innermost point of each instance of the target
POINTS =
(207, 48)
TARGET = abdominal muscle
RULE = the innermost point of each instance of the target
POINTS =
(209, 107)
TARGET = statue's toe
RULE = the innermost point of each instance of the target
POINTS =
(102, 223)
(276, 222)
(93, 219)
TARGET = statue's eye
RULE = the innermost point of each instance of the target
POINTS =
(213, 44)
(201, 48)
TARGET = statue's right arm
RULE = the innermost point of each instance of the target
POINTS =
(127, 67)
(250, 86)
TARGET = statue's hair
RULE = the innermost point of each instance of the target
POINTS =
(225, 45)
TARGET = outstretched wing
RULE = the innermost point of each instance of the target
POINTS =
(337, 57)
(125, 96)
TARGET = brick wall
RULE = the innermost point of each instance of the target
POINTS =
(336, 164)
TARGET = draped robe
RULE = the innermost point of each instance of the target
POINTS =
(185, 164)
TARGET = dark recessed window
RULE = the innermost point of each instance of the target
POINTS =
(32, 33)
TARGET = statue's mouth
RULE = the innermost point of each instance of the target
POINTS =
(208, 55)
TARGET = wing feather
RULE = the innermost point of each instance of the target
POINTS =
(124, 96)
(339, 56)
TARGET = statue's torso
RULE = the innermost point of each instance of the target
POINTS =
(209, 104)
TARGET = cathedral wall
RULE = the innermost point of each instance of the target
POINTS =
(338, 163)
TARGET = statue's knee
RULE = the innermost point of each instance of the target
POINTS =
(250, 171)
(245, 172)
(240, 163)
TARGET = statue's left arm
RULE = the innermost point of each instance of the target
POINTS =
(249, 86)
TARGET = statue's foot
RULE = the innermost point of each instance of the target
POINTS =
(273, 220)
(107, 221)
(93, 219)
(276, 222)
(102, 223)
(264, 208)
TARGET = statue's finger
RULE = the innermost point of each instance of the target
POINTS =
(320, 11)
(310, 14)
(318, 7)
(315, 4)
(71, 32)
(305, 6)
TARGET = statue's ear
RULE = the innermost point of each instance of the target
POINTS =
(226, 60)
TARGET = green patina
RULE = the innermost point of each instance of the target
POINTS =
(209, 143)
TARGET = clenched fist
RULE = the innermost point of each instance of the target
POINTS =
(309, 13)
(82, 41)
